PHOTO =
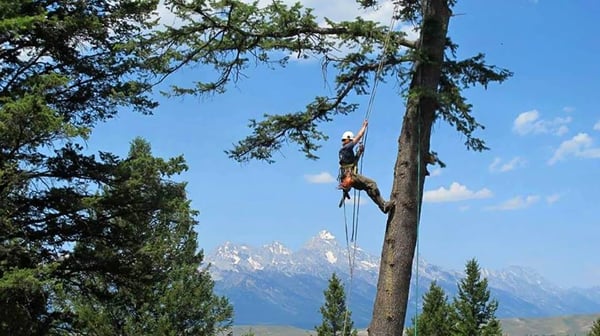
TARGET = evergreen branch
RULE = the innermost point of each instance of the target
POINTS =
(452, 104)
(301, 127)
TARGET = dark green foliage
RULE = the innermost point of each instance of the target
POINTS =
(435, 319)
(595, 331)
(337, 319)
(229, 35)
(143, 239)
(471, 313)
(453, 106)
(474, 309)
(90, 244)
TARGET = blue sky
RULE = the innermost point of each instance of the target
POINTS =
(532, 200)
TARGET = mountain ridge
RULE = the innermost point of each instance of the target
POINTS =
(288, 285)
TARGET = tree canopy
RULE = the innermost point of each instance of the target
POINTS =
(230, 35)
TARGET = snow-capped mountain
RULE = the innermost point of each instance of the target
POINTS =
(274, 285)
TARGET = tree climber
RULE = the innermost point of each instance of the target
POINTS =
(349, 177)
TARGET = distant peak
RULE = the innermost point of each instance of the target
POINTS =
(326, 235)
(277, 248)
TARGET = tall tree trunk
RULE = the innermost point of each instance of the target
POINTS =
(400, 239)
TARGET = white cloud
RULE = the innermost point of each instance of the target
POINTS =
(166, 17)
(436, 172)
(348, 10)
(339, 10)
(524, 121)
(569, 109)
(363, 200)
(320, 178)
(498, 167)
(562, 130)
(551, 199)
(580, 145)
(519, 202)
(530, 122)
(455, 193)
(335, 10)
(597, 126)
(412, 32)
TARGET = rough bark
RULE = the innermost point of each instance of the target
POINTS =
(400, 239)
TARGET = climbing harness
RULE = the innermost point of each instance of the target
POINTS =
(345, 176)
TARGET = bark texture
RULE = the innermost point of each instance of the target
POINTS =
(400, 239)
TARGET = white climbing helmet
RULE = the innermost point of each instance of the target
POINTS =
(348, 135)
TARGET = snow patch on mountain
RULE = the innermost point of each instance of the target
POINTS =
(278, 248)
(330, 257)
(368, 264)
(326, 235)
(255, 264)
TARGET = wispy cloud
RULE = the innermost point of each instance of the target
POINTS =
(464, 208)
(320, 178)
(516, 203)
(597, 126)
(551, 199)
(362, 200)
(569, 109)
(456, 192)
(562, 130)
(581, 145)
(498, 166)
(436, 172)
(530, 123)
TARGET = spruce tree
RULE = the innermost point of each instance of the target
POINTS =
(474, 310)
(143, 236)
(435, 319)
(337, 319)
(595, 331)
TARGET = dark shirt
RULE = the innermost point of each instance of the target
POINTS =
(347, 155)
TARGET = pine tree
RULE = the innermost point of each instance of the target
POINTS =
(231, 35)
(337, 319)
(474, 310)
(595, 331)
(435, 319)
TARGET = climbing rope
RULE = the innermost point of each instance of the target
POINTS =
(418, 200)
(356, 199)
